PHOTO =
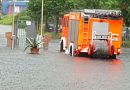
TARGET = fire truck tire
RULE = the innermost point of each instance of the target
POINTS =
(112, 55)
(71, 51)
(77, 53)
(61, 47)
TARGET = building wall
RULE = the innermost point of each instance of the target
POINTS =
(4, 8)
(8, 6)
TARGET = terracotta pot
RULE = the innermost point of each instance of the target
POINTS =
(34, 50)
(46, 40)
(8, 36)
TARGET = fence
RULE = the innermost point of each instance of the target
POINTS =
(22, 30)
(126, 37)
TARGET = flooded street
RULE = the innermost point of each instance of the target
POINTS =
(64, 44)
(52, 70)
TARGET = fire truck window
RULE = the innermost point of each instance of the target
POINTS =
(86, 19)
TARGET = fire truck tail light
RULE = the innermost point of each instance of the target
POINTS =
(79, 48)
(119, 50)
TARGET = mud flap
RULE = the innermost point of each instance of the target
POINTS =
(91, 51)
(112, 55)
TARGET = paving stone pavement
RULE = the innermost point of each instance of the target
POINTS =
(51, 70)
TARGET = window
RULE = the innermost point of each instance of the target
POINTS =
(86, 19)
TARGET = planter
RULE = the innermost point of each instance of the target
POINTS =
(8, 36)
(34, 50)
(46, 40)
(33, 44)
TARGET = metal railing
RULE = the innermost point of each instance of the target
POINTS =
(126, 37)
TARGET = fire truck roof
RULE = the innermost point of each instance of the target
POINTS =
(101, 11)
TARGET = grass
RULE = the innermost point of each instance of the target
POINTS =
(53, 35)
(126, 44)
(6, 20)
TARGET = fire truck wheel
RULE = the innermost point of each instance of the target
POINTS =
(112, 55)
(76, 53)
(61, 47)
(71, 51)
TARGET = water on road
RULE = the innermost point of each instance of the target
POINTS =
(52, 70)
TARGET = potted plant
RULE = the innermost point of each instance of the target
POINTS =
(33, 44)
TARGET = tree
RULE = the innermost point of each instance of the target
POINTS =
(52, 8)
(34, 11)
(91, 4)
(56, 8)
(97, 4)
(125, 8)
(109, 4)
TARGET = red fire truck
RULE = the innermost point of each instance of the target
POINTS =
(92, 31)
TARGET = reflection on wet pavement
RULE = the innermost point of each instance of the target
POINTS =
(52, 70)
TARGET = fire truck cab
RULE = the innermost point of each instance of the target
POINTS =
(92, 31)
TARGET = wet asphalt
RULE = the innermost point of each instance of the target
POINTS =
(52, 70)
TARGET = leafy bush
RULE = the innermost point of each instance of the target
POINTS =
(21, 24)
(53, 35)
(6, 20)
(24, 18)
(126, 44)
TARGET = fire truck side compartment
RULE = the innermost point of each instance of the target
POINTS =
(73, 32)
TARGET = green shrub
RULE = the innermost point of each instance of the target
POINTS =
(126, 44)
(21, 24)
(53, 35)
(7, 20)
(0, 16)
(24, 18)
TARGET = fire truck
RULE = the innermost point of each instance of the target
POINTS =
(92, 31)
